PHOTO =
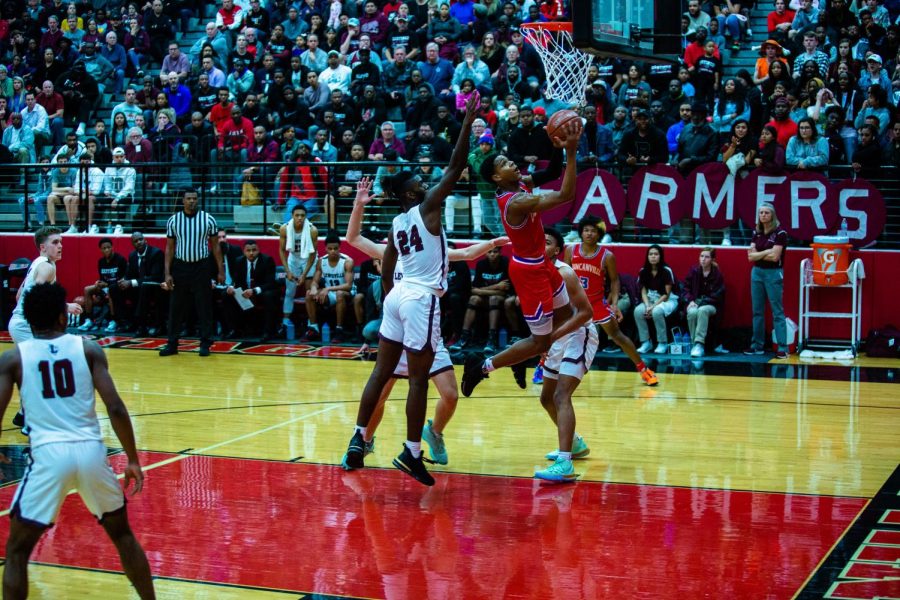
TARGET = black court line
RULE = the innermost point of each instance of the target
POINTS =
(297, 594)
(828, 573)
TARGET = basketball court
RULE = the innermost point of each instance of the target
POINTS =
(753, 479)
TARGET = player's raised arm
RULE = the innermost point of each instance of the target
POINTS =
(475, 251)
(354, 225)
(524, 203)
(118, 413)
(434, 198)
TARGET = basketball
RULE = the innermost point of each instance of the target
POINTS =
(558, 121)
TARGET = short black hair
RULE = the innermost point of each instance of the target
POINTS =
(104, 240)
(187, 190)
(298, 207)
(249, 243)
(41, 235)
(393, 184)
(43, 304)
(488, 168)
(332, 238)
(557, 237)
(589, 221)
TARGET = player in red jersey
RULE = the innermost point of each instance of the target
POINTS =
(593, 265)
(540, 287)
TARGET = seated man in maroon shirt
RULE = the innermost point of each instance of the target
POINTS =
(263, 150)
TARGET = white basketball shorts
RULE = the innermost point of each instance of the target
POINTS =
(573, 354)
(412, 318)
(441, 362)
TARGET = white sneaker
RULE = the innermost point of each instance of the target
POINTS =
(94, 230)
(111, 328)
(80, 131)
(726, 241)
(117, 230)
(660, 349)
(607, 239)
(645, 347)
(697, 350)
(86, 326)
(72, 229)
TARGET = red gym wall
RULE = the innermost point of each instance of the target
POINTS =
(80, 254)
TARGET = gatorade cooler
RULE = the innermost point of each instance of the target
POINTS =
(831, 259)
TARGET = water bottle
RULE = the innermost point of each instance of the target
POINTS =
(326, 334)
(844, 232)
(503, 338)
(289, 332)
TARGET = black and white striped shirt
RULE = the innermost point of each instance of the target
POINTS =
(191, 234)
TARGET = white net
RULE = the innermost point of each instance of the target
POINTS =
(565, 65)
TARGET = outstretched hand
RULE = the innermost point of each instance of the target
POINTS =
(499, 241)
(571, 133)
(472, 107)
(363, 187)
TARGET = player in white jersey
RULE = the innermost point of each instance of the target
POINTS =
(330, 287)
(411, 319)
(568, 360)
(57, 374)
(441, 373)
(297, 247)
(42, 269)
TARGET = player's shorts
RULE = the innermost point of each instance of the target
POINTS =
(58, 467)
(603, 312)
(573, 354)
(441, 362)
(296, 264)
(19, 329)
(540, 288)
(412, 318)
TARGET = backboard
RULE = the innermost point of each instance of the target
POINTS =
(648, 30)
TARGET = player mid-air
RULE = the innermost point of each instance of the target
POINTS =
(411, 319)
(57, 374)
(541, 290)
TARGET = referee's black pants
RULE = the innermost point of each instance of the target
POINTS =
(192, 282)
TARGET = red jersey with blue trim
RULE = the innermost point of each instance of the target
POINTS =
(591, 272)
(527, 238)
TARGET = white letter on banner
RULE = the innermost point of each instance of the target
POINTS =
(597, 194)
(762, 182)
(726, 195)
(814, 204)
(859, 215)
(663, 199)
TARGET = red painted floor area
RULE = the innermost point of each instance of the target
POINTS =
(377, 533)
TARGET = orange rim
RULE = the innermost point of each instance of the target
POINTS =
(549, 26)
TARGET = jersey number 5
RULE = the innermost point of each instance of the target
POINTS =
(58, 379)
(412, 242)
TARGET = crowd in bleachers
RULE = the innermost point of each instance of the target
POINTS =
(359, 81)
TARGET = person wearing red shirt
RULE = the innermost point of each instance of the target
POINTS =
(779, 20)
(235, 138)
(262, 150)
(696, 49)
(54, 104)
(221, 111)
(782, 122)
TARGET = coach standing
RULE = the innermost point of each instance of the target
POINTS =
(189, 236)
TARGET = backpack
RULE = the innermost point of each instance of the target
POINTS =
(884, 342)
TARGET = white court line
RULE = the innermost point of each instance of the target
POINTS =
(179, 457)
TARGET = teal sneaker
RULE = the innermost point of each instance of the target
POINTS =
(435, 444)
(370, 447)
(579, 449)
(561, 471)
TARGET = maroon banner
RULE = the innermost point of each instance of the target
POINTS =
(600, 194)
(753, 190)
(653, 197)
(862, 204)
(710, 195)
(807, 206)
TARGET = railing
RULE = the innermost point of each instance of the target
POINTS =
(320, 186)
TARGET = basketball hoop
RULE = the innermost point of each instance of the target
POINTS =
(565, 65)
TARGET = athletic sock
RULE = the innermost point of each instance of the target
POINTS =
(564, 455)
(488, 366)
(415, 448)
(362, 430)
(314, 326)
(640, 366)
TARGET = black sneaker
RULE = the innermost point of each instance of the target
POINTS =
(519, 373)
(753, 351)
(472, 374)
(356, 451)
(19, 420)
(168, 351)
(204, 351)
(414, 467)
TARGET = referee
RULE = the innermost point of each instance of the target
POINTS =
(189, 236)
